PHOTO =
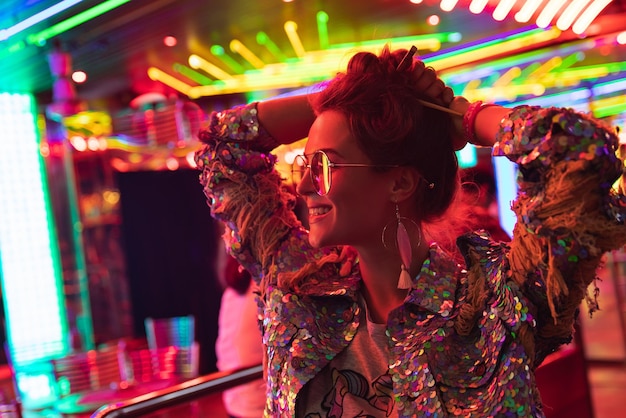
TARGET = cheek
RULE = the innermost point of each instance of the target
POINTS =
(363, 207)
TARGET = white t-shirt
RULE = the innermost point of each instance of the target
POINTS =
(354, 384)
(239, 345)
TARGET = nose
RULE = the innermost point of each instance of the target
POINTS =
(305, 187)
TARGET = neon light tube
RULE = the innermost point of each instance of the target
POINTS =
(549, 11)
(44, 35)
(527, 11)
(570, 13)
(609, 87)
(198, 63)
(291, 29)
(30, 266)
(590, 13)
(448, 5)
(37, 18)
(477, 6)
(322, 29)
(191, 74)
(237, 46)
(502, 9)
(218, 52)
(609, 106)
(263, 39)
(171, 81)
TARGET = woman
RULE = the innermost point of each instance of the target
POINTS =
(369, 313)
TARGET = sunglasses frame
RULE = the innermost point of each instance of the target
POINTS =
(328, 180)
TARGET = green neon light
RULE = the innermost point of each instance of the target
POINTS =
(608, 67)
(322, 29)
(30, 267)
(192, 74)
(263, 39)
(219, 52)
(616, 109)
(441, 37)
(44, 35)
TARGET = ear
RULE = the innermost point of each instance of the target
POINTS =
(405, 181)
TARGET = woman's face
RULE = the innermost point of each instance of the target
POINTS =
(358, 205)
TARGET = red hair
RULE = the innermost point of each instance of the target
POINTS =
(381, 104)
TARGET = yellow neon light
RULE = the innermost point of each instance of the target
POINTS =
(608, 106)
(159, 75)
(237, 46)
(508, 93)
(198, 63)
(508, 77)
(291, 29)
(545, 68)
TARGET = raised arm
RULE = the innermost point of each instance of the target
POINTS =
(287, 119)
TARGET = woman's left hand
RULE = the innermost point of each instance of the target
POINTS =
(432, 86)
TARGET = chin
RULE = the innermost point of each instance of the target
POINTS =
(317, 240)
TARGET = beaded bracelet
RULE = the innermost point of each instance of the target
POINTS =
(469, 119)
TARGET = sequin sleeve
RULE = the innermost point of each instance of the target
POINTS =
(567, 210)
(246, 193)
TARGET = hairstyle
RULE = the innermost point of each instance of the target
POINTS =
(381, 104)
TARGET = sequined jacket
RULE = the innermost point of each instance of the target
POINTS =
(468, 337)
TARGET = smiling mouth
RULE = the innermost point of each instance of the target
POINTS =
(318, 210)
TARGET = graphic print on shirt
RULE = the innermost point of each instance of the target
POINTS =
(352, 397)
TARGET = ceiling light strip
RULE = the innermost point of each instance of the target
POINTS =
(448, 5)
(548, 13)
(191, 74)
(263, 39)
(37, 18)
(502, 9)
(44, 35)
(291, 29)
(590, 13)
(218, 52)
(609, 87)
(477, 6)
(156, 74)
(527, 11)
(571, 13)
(238, 47)
(198, 63)
(322, 29)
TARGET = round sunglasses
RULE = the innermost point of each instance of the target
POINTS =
(320, 170)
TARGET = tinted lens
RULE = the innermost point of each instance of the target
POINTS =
(320, 172)
(297, 169)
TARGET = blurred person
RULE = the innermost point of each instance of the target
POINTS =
(238, 343)
(479, 188)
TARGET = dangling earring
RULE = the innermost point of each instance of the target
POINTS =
(406, 253)
(403, 244)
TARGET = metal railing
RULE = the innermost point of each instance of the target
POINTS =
(180, 393)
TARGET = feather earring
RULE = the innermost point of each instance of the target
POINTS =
(406, 253)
